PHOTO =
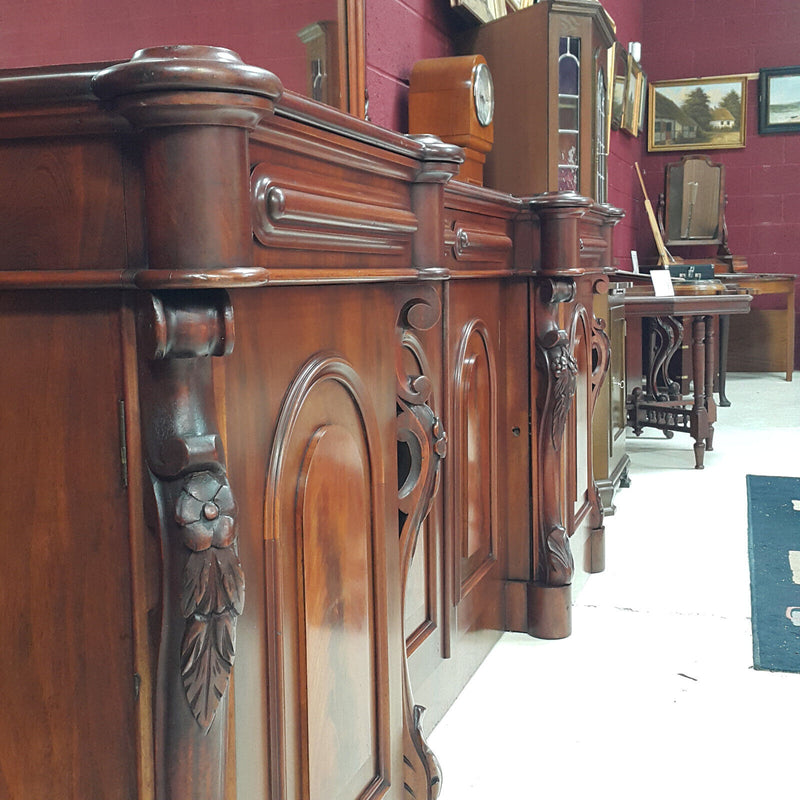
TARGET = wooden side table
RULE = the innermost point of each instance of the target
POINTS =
(758, 283)
(648, 406)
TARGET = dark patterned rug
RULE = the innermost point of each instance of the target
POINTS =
(773, 517)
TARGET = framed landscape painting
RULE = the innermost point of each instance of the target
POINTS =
(779, 100)
(697, 113)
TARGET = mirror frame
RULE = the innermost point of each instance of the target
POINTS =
(678, 167)
(353, 46)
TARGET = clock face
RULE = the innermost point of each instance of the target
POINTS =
(483, 94)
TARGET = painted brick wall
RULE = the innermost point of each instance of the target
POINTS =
(34, 32)
(625, 150)
(399, 33)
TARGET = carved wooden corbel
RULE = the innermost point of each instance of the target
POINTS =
(203, 581)
(422, 444)
(550, 596)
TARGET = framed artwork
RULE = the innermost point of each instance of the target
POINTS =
(641, 100)
(482, 10)
(779, 100)
(697, 113)
(633, 91)
(619, 78)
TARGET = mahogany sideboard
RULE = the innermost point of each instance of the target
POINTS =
(279, 394)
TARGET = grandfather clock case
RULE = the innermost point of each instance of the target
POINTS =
(549, 63)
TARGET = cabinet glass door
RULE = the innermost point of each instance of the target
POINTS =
(600, 143)
(569, 81)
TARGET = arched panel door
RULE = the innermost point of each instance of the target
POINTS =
(475, 434)
(323, 506)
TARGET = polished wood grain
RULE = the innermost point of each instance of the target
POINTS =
(67, 589)
(772, 348)
(287, 440)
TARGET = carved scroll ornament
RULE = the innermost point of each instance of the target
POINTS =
(422, 446)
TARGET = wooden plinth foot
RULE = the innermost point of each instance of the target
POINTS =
(597, 552)
(549, 611)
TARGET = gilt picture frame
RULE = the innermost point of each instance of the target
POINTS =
(779, 100)
(633, 90)
(697, 113)
(619, 78)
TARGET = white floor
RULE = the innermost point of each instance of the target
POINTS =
(654, 695)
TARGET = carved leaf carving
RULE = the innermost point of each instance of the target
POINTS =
(207, 653)
(560, 564)
(213, 581)
(564, 368)
(212, 599)
(232, 578)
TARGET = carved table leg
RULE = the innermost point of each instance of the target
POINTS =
(699, 413)
(711, 408)
(724, 336)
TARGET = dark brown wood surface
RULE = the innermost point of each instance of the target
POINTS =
(68, 676)
(285, 451)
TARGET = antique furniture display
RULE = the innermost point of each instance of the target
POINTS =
(453, 98)
(659, 403)
(297, 426)
(550, 65)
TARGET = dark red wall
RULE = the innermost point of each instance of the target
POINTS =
(399, 33)
(625, 150)
(263, 33)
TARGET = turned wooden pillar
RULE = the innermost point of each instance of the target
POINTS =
(439, 163)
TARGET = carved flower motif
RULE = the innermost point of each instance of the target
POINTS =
(439, 438)
(205, 511)
(564, 362)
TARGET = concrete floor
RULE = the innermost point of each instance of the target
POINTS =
(654, 695)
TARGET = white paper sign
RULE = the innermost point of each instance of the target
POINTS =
(662, 283)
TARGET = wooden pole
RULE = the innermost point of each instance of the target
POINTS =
(664, 256)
